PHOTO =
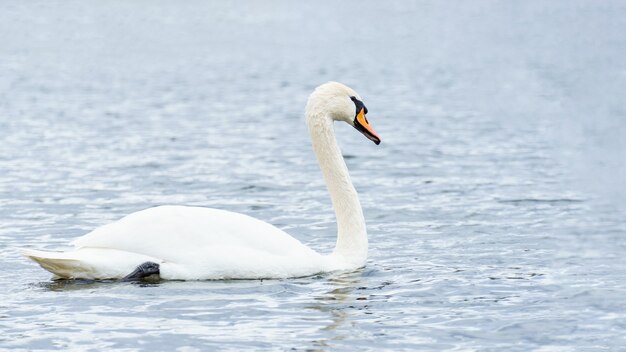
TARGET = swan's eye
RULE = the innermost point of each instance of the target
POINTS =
(359, 105)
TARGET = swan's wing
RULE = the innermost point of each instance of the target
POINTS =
(173, 232)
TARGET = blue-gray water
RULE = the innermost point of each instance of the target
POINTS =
(496, 204)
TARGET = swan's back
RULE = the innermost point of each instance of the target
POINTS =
(172, 232)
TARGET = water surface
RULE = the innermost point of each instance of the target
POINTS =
(496, 203)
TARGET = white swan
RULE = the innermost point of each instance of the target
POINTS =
(194, 243)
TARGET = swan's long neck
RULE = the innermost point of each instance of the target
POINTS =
(351, 232)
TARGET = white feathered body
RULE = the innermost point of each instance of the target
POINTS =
(189, 243)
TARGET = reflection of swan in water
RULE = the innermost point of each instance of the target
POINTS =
(78, 285)
(194, 243)
(339, 303)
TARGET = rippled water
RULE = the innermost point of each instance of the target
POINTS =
(496, 203)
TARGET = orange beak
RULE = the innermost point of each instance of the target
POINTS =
(363, 126)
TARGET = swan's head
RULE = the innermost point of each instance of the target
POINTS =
(341, 103)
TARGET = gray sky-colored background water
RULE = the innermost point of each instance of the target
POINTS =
(496, 204)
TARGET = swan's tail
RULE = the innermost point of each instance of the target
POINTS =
(88, 263)
(63, 265)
